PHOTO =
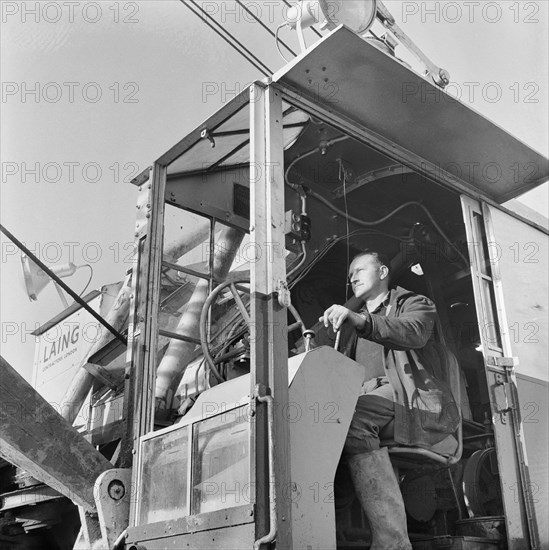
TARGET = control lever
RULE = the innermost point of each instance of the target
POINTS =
(308, 335)
(338, 337)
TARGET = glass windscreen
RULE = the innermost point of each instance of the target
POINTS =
(185, 272)
(221, 464)
(164, 477)
(186, 240)
(229, 312)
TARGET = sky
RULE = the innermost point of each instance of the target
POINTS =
(94, 92)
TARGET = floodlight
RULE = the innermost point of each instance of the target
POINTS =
(358, 15)
(36, 279)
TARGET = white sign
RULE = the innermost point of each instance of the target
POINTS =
(61, 350)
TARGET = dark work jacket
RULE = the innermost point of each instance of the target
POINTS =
(415, 364)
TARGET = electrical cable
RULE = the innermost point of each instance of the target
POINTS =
(278, 41)
(363, 223)
(333, 242)
(240, 3)
(301, 260)
(358, 221)
(312, 28)
(240, 48)
(343, 172)
(249, 55)
(305, 155)
(89, 280)
(303, 256)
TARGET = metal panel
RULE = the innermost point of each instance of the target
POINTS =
(193, 524)
(323, 395)
(500, 380)
(57, 364)
(228, 538)
(210, 194)
(534, 408)
(522, 253)
(348, 76)
(509, 380)
(521, 256)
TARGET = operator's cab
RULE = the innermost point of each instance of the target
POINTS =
(245, 234)
(276, 193)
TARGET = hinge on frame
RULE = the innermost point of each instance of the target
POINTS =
(502, 389)
(283, 293)
(206, 134)
(508, 363)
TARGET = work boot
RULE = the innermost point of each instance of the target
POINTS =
(377, 489)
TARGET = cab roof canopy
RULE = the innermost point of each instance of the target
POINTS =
(372, 96)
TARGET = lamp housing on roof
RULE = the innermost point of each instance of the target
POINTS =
(357, 15)
(36, 279)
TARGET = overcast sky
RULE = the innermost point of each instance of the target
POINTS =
(93, 92)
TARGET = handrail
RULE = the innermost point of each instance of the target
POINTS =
(271, 535)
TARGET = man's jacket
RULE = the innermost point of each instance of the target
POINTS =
(416, 366)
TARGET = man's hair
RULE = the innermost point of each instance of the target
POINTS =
(382, 259)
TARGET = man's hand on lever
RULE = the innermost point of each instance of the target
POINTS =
(337, 315)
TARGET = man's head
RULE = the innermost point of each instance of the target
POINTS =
(369, 274)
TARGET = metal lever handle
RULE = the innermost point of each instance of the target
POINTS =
(338, 337)
(308, 335)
